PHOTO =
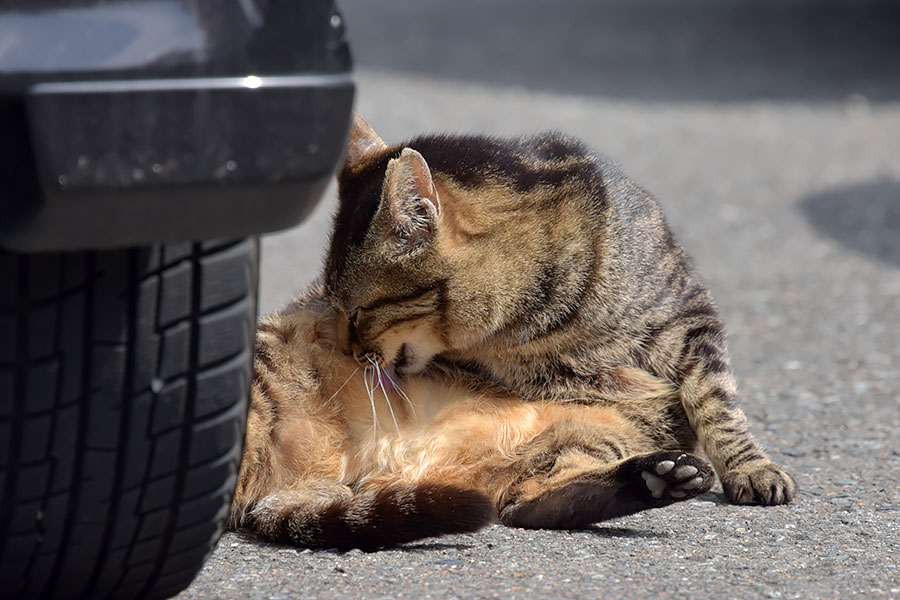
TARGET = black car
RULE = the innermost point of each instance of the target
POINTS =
(144, 145)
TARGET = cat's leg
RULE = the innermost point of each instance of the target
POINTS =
(589, 464)
(581, 489)
(709, 397)
(330, 515)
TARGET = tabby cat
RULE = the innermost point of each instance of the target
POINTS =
(507, 328)
(342, 456)
(538, 266)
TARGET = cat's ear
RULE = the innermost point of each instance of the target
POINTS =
(363, 143)
(411, 201)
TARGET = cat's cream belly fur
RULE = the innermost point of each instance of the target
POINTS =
(442, 430)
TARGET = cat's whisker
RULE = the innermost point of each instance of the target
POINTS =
(366, 379)
(396, 385)
(371, 395)
(379, 373)
(334, 395)
(370, 382)
(388, 400)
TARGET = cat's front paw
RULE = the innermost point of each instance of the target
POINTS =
(759, 482)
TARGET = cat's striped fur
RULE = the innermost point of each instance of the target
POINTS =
(538, 266)
(335, 456)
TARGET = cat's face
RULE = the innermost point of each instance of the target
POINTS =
(483, 247)
(384, 275)
(389, 310)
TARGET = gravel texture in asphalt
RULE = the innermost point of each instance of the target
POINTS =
(771, 134)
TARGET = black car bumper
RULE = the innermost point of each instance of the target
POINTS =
(230, 139)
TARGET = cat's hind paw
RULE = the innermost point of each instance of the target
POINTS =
(668, 477)
(759, 482)
(635, 484)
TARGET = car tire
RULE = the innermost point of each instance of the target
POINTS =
(124, 381)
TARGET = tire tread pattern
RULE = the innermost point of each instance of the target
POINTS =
(123, 396)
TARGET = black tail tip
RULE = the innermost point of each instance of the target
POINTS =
(407, 513)
(465, 510)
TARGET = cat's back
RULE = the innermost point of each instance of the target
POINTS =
(546, 171)
(520, 164)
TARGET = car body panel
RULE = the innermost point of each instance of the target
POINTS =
(164, 121)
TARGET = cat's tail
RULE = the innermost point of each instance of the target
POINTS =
(384, 517)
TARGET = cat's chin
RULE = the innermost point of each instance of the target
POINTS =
(408, 362)
(410, 370)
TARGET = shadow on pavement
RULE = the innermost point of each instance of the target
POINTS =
(430, 547)
(249, 537)
(716, 498)
(864, 217)
(706, 50)
(622, 532)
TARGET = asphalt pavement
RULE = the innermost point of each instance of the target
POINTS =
(771, 134)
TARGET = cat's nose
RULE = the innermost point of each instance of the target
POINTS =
(367, 357)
